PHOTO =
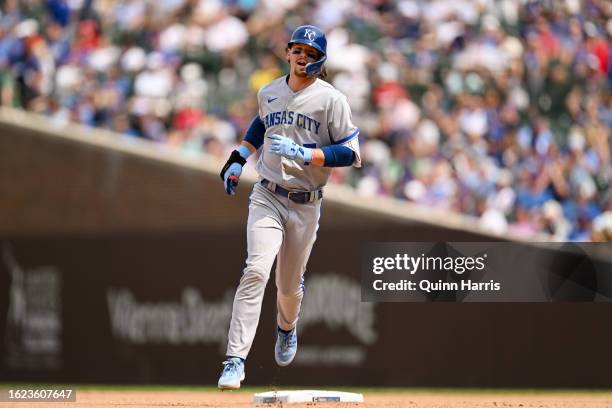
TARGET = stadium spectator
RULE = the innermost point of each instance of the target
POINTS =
(497, 109)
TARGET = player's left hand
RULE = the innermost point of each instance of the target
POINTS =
(283, 146)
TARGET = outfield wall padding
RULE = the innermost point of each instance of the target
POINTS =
(155, 308)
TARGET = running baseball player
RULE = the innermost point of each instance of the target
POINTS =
(303, 129)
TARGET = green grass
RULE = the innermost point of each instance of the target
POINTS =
(363, 390)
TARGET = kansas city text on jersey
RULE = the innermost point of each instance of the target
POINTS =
(289, 118)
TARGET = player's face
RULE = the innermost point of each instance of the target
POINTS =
(299, 55)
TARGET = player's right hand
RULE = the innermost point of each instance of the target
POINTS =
(232, 177)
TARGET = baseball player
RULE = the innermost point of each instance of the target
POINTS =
(303, 129)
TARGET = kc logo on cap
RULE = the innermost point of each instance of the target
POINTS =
(310, 34)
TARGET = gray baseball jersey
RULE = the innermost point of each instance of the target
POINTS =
(316, 116)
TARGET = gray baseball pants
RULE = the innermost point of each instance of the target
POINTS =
(277, 228)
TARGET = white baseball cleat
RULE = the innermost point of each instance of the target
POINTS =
(232, 374)
(286, 347)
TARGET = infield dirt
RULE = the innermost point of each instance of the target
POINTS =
(127, 399)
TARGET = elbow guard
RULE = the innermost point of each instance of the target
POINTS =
(338, 156)
(255, 133)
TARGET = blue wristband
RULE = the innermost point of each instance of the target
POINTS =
(307, 155)
(244, 151)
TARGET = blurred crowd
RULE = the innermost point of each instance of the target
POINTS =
(500, 109)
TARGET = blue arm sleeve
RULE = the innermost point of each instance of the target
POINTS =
(338, 156)
(255, 133)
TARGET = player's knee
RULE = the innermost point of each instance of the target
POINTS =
(255, 275)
